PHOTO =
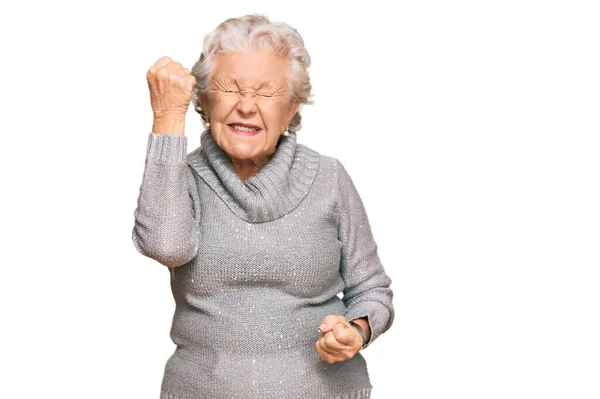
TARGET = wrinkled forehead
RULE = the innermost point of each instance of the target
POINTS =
(252, 69)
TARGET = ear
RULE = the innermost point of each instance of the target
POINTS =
(293, 110)
(204, 104)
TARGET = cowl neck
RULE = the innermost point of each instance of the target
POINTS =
(274, 191)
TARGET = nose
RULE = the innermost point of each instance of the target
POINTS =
(247, 103)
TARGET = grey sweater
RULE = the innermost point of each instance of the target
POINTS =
(256, 266)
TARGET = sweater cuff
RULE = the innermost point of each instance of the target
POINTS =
(168, 148)
(378, 317)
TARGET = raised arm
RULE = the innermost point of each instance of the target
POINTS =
(167, 216)
(367, 292)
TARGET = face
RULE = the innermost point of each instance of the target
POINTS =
(248, 103)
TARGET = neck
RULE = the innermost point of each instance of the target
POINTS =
(277, 187)
(246, 168)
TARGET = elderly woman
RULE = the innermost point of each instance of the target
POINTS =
(260, 233)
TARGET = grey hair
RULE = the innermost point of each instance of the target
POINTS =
(255, 32)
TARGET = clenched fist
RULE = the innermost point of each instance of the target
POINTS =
(339, 341)
(171, 88)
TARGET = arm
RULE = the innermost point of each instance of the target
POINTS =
(367, 294)
(167, 216)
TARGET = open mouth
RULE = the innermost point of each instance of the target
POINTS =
(244, 129)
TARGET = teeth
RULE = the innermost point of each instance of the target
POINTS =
(245, 129)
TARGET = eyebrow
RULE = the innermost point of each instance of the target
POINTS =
(267, 83)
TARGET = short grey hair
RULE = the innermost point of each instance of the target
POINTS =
(255, 32)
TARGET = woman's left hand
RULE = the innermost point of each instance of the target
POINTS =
(339, 341)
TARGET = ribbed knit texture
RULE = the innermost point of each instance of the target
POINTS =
(255, 268)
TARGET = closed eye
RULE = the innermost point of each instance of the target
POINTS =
(227, 91)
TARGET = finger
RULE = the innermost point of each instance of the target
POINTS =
(326, 357)
(329, 321)
(167, 68)
(173, 66)
(346, 335)
(181, 71)
(158, 65)
(325, 346)
(186, 72)
(332, 343)
(324, 352)
(190, 80)
(338, 351)
(161, 62)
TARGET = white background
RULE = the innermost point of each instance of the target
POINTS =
(471, 129)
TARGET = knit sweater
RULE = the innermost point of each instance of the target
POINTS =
(256, 266)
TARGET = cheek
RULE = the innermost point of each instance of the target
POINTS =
(276, 116)
(220, 108)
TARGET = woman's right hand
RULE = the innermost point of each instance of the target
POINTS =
(171, 88)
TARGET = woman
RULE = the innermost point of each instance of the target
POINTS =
(260, 233)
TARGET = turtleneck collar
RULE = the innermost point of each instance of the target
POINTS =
(275, 190)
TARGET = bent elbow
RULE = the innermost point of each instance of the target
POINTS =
(164, 251)
(174, 257)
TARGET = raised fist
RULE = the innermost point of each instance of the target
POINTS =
(171, 87)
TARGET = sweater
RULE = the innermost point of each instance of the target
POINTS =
(256, 266)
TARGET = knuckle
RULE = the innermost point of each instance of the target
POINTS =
(344, 333)
(162, 73)
(330, 339)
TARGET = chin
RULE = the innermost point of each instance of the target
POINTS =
(242, 150)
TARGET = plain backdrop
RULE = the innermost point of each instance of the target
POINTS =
(471, 129)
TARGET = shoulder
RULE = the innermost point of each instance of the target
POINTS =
(335, 175)
(330, 163)
(326, 162)
(330, 168)
(335, 168)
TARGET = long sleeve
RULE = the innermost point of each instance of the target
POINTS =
(367, 289)
(167, 216)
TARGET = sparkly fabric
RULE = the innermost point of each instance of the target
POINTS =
(255, 267)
